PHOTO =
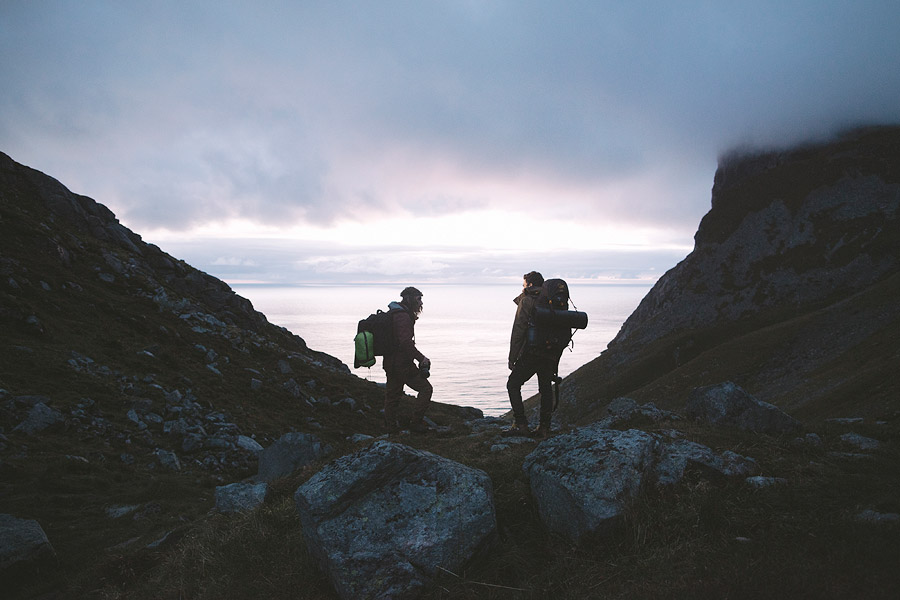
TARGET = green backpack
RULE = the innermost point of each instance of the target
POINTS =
(374, 336)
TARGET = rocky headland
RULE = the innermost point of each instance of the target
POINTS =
(791, 290)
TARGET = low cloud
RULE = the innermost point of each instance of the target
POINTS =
(297, 262)
(326, 112)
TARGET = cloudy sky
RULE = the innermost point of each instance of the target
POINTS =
(302, 141)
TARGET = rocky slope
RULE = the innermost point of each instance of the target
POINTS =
(791, 290)
(132, 384)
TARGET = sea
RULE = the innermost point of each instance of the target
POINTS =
(463, 329)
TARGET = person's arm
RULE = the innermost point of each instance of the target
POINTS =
(519, 331)
(404, 330)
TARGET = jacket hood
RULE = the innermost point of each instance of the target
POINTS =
(395, 305)
(532, 291)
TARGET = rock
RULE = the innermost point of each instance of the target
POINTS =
(168, 460)
(859, 441)
(678, 456)
(249, 444)
(191, 442)
(289, 453)
(293, 388)
(346, 403)
(39, 418)
(115, 512)
(582, 480)
(728, 404)
(810, 440)
(762, 482)
(23, 544)
(877, 518)
(136, 419)
(623, 409)
(31, 400)
(383, 521)
(240, 497)
(483, 424)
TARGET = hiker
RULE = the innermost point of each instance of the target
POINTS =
(399, 367)
(526, 361)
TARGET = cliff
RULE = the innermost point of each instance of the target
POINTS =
(791, 290)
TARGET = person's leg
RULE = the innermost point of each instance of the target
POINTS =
(423, 398)
(393, 391)
(545, 372)
(522, 372)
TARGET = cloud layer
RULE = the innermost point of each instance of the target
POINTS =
(288, 113)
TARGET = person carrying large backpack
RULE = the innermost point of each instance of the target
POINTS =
(399, 366)
(526, 360)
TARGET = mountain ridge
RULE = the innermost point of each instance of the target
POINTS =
(789, 233)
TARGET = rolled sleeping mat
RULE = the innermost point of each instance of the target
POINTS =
(573, 319)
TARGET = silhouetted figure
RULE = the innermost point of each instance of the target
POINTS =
(526, 360)
(400, 368)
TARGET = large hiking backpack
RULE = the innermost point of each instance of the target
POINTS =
(551, 330)
(374, 337)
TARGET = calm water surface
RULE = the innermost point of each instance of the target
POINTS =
(464, 330)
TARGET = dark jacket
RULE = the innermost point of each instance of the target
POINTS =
(524, 316)
(404, 351)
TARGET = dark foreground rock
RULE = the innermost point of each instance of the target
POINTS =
(582, 480)
(382, 521)
(240, 497)
(23, 545)
(728, 404)
(290, 452)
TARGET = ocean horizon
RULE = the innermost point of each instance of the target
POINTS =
(463, 329)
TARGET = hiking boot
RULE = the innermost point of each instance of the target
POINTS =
(517, 430)
(541, 433)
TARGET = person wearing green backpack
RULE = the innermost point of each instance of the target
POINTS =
(399, 366)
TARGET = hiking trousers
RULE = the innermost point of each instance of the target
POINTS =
(525, 368)
(393, 392)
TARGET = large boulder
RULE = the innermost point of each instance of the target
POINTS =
(676, 457)
(382, 521)
(728, 404)
(582, 480)
(290, 452)
(240, 497)
(23, 545)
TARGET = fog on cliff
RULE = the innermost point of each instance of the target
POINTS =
(438, 141)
